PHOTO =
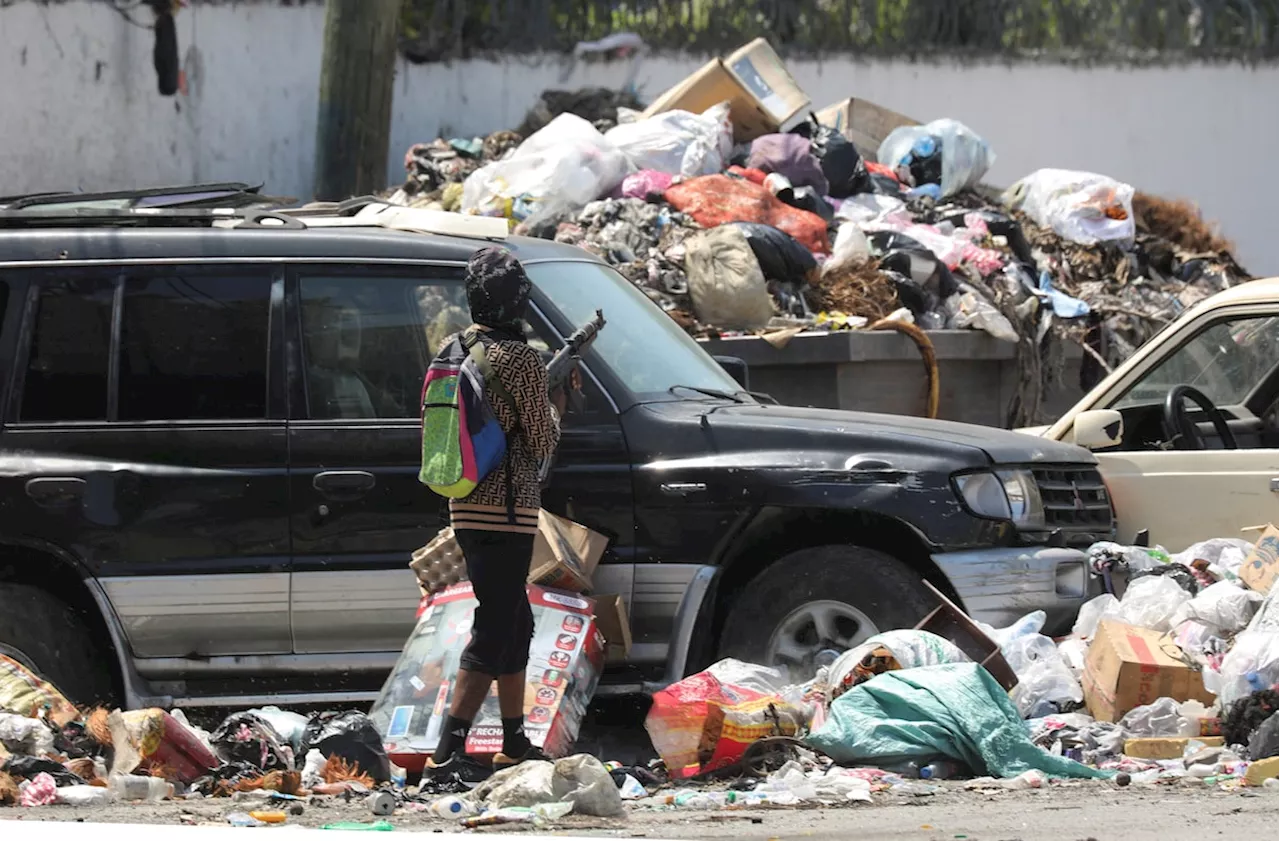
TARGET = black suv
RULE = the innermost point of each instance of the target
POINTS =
(210, 450)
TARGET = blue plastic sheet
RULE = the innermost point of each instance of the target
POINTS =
(956, 711)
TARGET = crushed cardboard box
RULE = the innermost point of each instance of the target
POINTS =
(566, 657)
(1166, 748)
(614, 625)
(1128, 667)
(761, 94)
(1259, 570)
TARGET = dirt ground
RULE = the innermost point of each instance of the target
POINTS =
(1071, 812)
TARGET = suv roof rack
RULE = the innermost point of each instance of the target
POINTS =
(220, 194)
(355, 213)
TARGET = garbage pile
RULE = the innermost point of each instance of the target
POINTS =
(855, 214)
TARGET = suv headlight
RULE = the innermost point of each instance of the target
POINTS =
(1003, 495)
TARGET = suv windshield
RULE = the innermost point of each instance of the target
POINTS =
(644, 348)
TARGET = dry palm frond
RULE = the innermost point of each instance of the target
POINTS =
(1179, 222)
(8, 790)
(856, 288)
(96, 726)
(338, 770)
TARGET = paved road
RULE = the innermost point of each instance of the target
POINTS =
(1076, 812)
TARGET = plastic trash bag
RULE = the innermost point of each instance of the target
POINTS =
(522, 786)
(1080, 206)
(956, 711)
(850, 246)
(841, 164)
(677, 142)
(351, 736)
(867, 208)
(1253, 663)
(1225, 556)
(1074, 652)
(288, 725)
(583, 781)
(789, 155)
(779, 255)
(1265, 741)
(559, 168)
(85, 796)
(1152, 602)
(726, 283)
(640, 185)
(716, 199)
(966, 309)
(1026, 626)
(1094, 611)
(1045, 682)
(1159, 719)
(892, 650)
(22, 735)
(1225, 607)
(708, 720)
(956, 159)
(246, 737)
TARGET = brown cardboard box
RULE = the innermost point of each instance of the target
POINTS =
(614, 625)
(1172, 748)
(565, 554)
(761, 94)
(1128, 667)
(1259, 570)
(863, 123)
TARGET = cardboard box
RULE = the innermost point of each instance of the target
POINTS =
(615, 627)
(863, 123)
(761, 94)
(1172, 748)
(565, 554)
(1128, 667)
(566, 658)
(1259, 570)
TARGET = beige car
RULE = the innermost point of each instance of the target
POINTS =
(1185, 429)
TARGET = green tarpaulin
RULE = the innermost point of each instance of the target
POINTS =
(956, 711)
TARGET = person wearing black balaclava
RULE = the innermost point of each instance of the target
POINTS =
(495, 526)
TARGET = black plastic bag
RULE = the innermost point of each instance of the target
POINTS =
(780, 256)
(245, 737)
(164, 54)
(351, 736)
(1181, 575)
(925, 270)
(1265, 741)
(226, 776)
(842, 165)
(27, 767)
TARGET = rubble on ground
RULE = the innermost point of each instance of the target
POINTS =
(900, 218)
(1167, 679)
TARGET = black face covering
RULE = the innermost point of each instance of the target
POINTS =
(498, 292)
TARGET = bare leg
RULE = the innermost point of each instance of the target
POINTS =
(511, 695)
(471, 690)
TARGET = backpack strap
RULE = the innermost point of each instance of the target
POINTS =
(477, 349)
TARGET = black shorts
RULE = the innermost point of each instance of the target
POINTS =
(497, 565)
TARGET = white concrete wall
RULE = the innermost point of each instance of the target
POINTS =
(79, 109)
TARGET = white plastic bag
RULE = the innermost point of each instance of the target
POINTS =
(966, 157)
(1152, 602)
(1158, 720)
(725, 280)
(866, 208)
(1028, 625)
(583, 781)
(85, 796)
(25, 736)
(850, 245)
(1253, 663)
(1225, 555)
(560, 167)
(911, 648)
(1074, 653)
(523, 786)
(677, 142)
(1045, 681)
(1225, 607)
(1080, 206)
(1093, 612)
(967, 309)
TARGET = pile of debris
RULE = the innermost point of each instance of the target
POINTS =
(894, 213)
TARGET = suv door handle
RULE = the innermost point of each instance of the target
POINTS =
(682, 488)
(55, 491)
(343, 484)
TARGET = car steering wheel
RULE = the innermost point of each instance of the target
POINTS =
(1181, 431)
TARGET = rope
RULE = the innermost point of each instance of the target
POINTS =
(927, 356)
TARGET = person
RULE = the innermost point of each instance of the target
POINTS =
(495, 526)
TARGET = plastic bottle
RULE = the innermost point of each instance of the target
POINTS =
(941, 769)
(399, 777)
(149, 789)
(1027, 780)
(699, 800)
(452, 806)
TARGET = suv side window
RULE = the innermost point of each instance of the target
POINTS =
(194, 347)
(367, 341)
(66, 377)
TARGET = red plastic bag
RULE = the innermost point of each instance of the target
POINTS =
(713, 200)
(708, 720)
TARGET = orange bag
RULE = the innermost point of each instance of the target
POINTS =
(713, 200)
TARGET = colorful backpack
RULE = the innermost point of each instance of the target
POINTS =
(462, 441)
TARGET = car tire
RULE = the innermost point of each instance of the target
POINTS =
(42, 632)
(841, 587)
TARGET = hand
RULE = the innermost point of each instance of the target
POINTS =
(559, 399)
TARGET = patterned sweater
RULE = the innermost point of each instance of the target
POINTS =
(518, 367)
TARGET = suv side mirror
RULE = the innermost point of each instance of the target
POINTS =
(735, 368)
(1098, 429)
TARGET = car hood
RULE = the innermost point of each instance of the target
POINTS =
(1000, 446)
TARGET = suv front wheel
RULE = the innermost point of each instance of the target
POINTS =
(809, 607)
(49, 637)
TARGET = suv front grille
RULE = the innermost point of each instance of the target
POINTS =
(1075, 499)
